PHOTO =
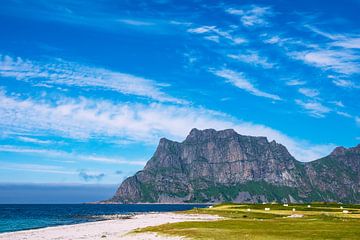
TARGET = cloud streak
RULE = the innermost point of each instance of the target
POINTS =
(253, 58)
(345, 83)
(252, 16)
(309, 92)
(61, 155)
(36, 168)
(74, 74)
(34, 140)
(315, 109)
(214, 34)
(339, 61)
(84, 119)
(239, 80)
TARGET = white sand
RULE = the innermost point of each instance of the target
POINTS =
(109, 229)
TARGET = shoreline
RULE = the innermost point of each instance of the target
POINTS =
(108, 229)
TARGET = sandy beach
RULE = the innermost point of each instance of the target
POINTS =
(108, 229)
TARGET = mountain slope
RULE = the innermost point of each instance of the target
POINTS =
(217, 166)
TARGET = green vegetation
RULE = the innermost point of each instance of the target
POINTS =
(228, 193)
(147, 191)
(319, 221)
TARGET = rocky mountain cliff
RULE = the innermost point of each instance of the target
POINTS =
(217, 166)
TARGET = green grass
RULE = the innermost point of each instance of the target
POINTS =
(320, 221)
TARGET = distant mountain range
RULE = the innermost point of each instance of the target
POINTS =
(218, 166)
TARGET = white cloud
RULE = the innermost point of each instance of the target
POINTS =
(295, 82)
(273, 40)
(36, 168)
(349, 41)
(322, 33)
(34, 140)
(209, 32)
(66, 155)
(74, 74)
(339, 61)
(338, 103)
(239, 80)
(85, 118)
(309, 92)
(203, 29)
(135, 22)
(353, 43)
(315, 109)
(253, 57)
(253, 15)
(338, 54)
(213, 38)
(345, 83)
(344, 114)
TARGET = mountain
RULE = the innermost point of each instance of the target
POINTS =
(218, 166)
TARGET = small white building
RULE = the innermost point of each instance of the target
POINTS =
(267, 209)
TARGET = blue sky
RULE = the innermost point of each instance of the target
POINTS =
(87, 88)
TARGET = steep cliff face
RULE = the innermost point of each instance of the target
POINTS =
(216, 166)
(337, 176)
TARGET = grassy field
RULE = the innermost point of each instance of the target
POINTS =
(319, 221)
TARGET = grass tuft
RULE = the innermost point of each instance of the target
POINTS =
(319, 221)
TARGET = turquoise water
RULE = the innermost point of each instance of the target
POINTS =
(15, 217)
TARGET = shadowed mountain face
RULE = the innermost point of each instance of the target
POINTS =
(217, 166)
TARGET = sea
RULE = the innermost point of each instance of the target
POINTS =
(16, 217)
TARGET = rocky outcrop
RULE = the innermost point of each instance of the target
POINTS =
(217, 166)
(336, 176)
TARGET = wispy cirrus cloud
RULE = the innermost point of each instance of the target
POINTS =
(348, 42)
(94, 14)
(344, 114)
(49, 153)
(74, 74)
(315, 109)
(34, 140)
(345, 83)
(344, 40)
(309, 92)
(338, 103)
(320, 32)
(273, 40)
(253, 58)
(215, 34)
(40, 168)
(337, 53)
(339, 61)
(252, 15)
(86, 118)
(136, 22)
(240, 81)
(295, 82)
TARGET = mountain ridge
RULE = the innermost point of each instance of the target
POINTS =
(218, 166)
